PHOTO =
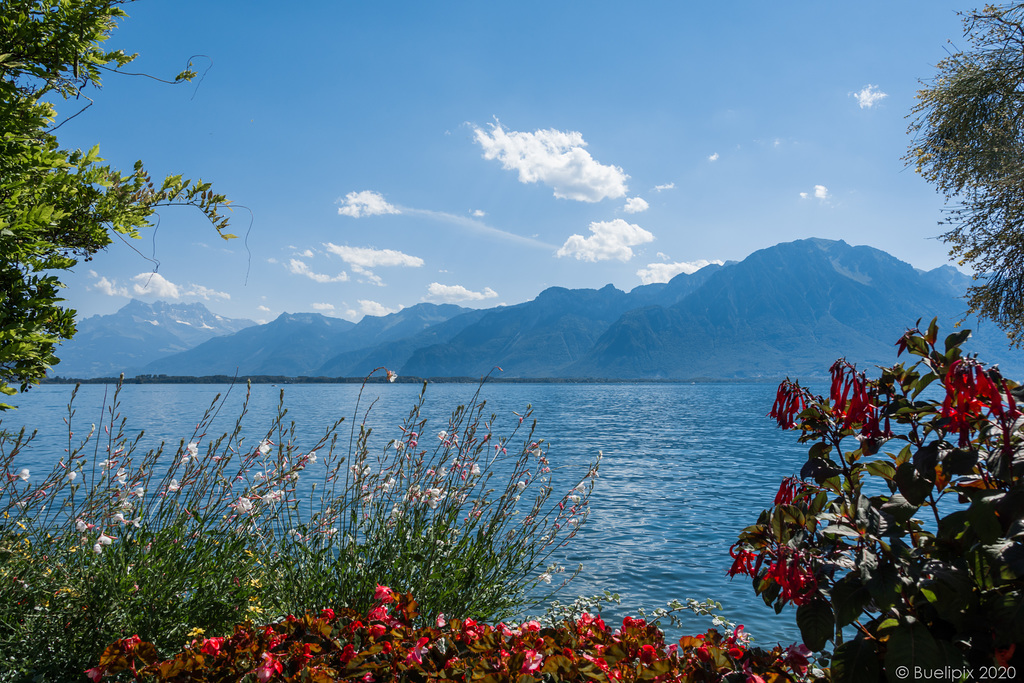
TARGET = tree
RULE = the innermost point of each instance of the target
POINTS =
(968, 141)
(59, 206)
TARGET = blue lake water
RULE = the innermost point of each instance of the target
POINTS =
(686, 466)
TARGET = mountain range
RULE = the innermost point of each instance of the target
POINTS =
(788, 310)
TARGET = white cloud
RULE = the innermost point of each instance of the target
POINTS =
(869, 96)
(373, 308)
(820, 192)
(713, 157)
(107, 287)
(454, 293)
(479, 214)
(666, 186)
(636, 205)
(557, 159)
(308, 253)
(156, 285)
(367, 275)
(323, 307)
(663, 272)
(371, 258)
(610, 239)
(366, 203)
(300, 268)
(263, 308)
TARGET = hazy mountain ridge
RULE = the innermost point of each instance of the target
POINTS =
(791, 309)
(138, 333)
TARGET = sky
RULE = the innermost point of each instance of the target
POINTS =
(380, 155)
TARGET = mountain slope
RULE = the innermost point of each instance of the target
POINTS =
(137, 334)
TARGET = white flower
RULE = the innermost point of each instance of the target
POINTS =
(97, 549)
(104, 540)
(264, 447)
(388, 484)
(545, 577)
(312, 456)
(23, 474)
(72, 475)
(259, 476)
(475, 470)
(81, 526)
(520, 485)
(192, 449)
(442, 435)
(392, 376)
(574, 498)
(118, 517)
(244, 505)
(106, 464)
(173, 486)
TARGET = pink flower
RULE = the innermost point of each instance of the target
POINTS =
(384, 593)
(269, 667)
(532, 662)
(440, 620)
(416, 653)
(211, 646)
(95, 673)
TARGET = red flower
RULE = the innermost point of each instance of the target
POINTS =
(377, 630)
(743, 562)
(327, 613)
(384, 593)
(211, 646)
(416, 653)
(95, 673)
(533, 661)
(797, 581)
(790, 401)
(269, 667)
(647, 653)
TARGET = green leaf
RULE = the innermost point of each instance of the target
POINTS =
(849, 599)
(816, 622)
(911, 647)
(856, 661)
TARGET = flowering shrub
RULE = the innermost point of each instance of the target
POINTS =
(169, 545)
(911, 537)
(385, 645)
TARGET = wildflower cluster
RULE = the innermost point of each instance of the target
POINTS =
(384, 644)
(226, 529)
(904, 526)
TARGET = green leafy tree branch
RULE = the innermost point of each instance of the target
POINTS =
(58, 207)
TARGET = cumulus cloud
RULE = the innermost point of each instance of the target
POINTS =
(869, 96)
(367, 307)
(155, 285)
(663, 272)
(820, 192)
(453, 293)
(713, 157)
(610, 239)
(371, 258)
(300, 268)
(107, 287)
(365, 203)
(263, 308)
(666, 186)
(557, 159)
(636, 205)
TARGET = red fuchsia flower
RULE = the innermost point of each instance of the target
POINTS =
(416, 653)
(967, 387)
(788, 490)
(744, 561)
(852, 400)
(211, 646)
(269, 668)
(533, 661)
(797, 582)
(790, 401)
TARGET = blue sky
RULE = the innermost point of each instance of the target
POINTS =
(477, 153)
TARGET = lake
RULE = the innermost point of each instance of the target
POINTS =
(686, 467)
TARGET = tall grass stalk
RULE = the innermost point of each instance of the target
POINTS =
(114, 541)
